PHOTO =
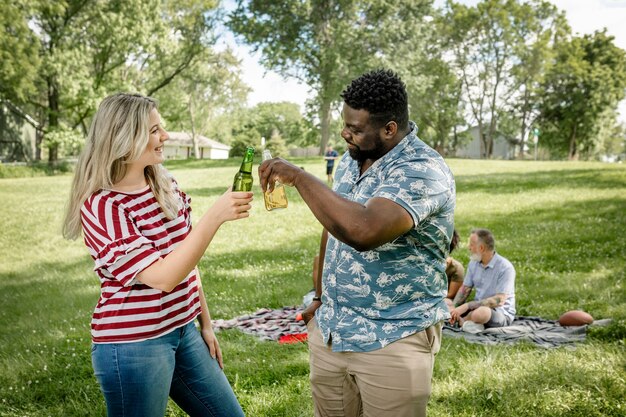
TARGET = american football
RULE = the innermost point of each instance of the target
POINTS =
(575, 318)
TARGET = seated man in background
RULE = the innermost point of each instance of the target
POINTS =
(493, 276)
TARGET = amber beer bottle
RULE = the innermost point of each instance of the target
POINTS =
(277, 199)
(243, 178)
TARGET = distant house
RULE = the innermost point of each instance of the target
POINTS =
(502, 147)
(179, 146)
(17, 134)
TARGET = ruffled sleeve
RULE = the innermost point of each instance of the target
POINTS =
(120, 251)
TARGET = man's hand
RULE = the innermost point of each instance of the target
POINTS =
(277, 169)
(455, 314)
(309, 312)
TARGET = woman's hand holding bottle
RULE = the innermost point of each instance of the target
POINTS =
(232, 205)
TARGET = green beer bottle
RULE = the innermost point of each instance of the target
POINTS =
(243, 178)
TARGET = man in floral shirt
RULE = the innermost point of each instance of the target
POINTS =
(387, 223)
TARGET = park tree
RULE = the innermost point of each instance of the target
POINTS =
(415, 52)
(280, 122)
(195, 100)
(543, 28)
(283, 119)
(89, 48)
(611, 137)
(19, 61)
(325, 43)
(438, 107)
(586, 82)
(435, 94)
(276, 145)
(495, 49)
(82, 44)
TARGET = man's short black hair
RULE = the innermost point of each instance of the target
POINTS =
(383, 94)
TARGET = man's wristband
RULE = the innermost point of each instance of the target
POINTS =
(316, 298)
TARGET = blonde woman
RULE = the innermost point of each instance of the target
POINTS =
(137, 227)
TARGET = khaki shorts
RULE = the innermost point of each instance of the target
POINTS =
(498, 319)
(394, 381)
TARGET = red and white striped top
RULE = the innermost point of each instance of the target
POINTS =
(126, 233)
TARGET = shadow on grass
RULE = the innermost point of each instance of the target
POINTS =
(554, 382)
(44, 354)
(505, 183)
(243, 281)
(46, 291)
(580, 236)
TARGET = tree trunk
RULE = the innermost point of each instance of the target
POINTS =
(38, 141)
(455, 140)
(522, 138)
(53, 118)
(325, 118)
(194, 140)
(482, 141)
(489, 139)
(573, 151)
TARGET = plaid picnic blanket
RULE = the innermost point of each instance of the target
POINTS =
(265, 323)
(274, 324)
(541, 332)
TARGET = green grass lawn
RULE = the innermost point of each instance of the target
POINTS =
(561, 224)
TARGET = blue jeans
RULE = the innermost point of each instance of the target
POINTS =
(136, 378)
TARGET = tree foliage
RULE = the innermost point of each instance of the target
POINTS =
(89, 49)
(325, 43)
(437, 108)
(544, 28)
(507, 66)
(496, 51)
(194, 101)
(581, 91)
(19, 60)
(281, 124)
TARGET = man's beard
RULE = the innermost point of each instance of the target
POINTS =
(476, 257)
(360, 155)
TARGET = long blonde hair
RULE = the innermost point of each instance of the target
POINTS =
(119, 134)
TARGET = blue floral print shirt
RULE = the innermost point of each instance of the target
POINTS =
(373, 298)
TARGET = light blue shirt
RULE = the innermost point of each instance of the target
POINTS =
(498, 277)
(373, 298)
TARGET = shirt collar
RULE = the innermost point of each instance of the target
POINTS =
(492, 262)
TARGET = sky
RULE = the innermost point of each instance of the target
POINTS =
(584, 16)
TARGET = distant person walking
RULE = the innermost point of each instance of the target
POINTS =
(330, 156)
(136, 224)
